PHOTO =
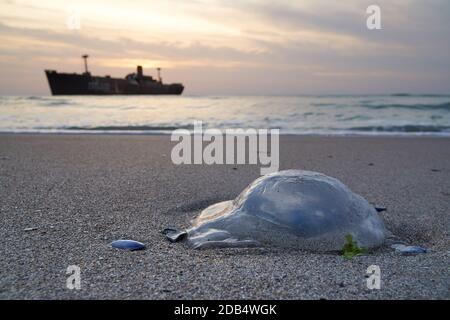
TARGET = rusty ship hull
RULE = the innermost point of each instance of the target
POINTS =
(86, 84)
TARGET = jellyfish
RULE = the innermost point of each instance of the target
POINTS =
(292, 209)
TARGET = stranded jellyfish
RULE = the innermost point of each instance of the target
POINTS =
(293, 208)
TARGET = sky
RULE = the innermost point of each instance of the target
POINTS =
(241, 47)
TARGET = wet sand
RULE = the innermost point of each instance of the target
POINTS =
(80, 192)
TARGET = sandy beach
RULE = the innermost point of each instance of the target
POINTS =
(78, 193)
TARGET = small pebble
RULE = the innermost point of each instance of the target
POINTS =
(380, 208)
(408, 250)
(128, 245)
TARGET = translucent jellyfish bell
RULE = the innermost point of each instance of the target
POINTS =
(293, 208)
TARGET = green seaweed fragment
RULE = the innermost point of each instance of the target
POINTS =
(351, 249)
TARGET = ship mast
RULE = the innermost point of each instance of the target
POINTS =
(159, 74)
(85, 56)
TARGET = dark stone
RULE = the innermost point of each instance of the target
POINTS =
(408, 250)
(379, 208)
(128, 245)
(173, 234)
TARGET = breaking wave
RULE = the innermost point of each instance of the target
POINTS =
(418, 106)
(405, 128)
(129, 128)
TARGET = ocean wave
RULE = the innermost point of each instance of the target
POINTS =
(418, 106)
(324, 104)
(400, 128)
(352, 118)
(58, 103)
(410, 128)
(34, 98)
(127, 128)
(47, 101)
(424, 95)
(407, 130)
(369, 115)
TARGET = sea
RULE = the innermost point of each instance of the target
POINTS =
(394, 114)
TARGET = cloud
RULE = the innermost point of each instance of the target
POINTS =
(240, 46)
